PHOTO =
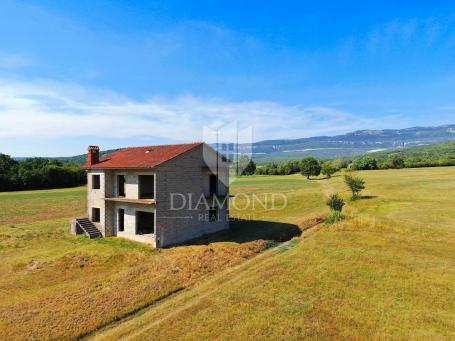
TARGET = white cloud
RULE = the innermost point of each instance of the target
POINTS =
(58, 110)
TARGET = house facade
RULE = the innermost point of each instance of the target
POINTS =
(161, 195)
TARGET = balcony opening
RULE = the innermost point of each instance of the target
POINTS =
(96, 214)
(121, 185)
(146, 187)
(121, 219)
(145, 222)
(213, 185)
(96, 183)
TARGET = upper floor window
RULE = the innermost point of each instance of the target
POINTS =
(213, 185)
(121, 185)
(96, 183)
(146, 187)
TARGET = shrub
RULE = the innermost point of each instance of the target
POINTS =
(310, 166)
(355, 184)
(366, 162)
(261, 170)
(394, 161)
(335, 202)
(341, 163)
(328, 169)
(334, 217)
(293, 165)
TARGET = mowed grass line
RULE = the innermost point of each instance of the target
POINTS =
(386, 273)
(57, 286)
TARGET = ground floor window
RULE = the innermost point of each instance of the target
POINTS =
(145, 222)
(213, 214)
(96, 214)
(121, 219)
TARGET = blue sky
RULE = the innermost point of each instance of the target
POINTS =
(121, 73)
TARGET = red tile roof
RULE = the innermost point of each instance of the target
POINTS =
(142, 157)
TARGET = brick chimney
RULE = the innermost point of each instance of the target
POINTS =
(93, 155)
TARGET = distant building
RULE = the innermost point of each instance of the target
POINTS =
(161, 195)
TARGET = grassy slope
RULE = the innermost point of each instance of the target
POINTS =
(57, 286)
(388, 272)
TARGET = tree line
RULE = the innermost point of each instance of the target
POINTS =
(308, 167)
(397, 161)
(311, 166)
(38, 173)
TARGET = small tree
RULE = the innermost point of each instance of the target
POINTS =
(355, 184)
(310, 166)
(245, 166)
(328, 169)
(250, 168)
(335, 202)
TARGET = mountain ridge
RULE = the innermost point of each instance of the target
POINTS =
(349, 144)
(328, 147)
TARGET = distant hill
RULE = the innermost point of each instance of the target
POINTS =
(348, 145)
(437, 151)
(330, 147)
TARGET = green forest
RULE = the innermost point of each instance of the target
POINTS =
(38, 173)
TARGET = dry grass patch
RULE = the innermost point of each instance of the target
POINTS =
(60, 297)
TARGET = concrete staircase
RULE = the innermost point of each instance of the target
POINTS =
(88, 228)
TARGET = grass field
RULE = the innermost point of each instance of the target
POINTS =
(387, 272)
(54, 285)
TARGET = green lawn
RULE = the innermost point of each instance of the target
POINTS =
(386, 273)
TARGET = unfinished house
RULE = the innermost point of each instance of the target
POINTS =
(161, 195)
